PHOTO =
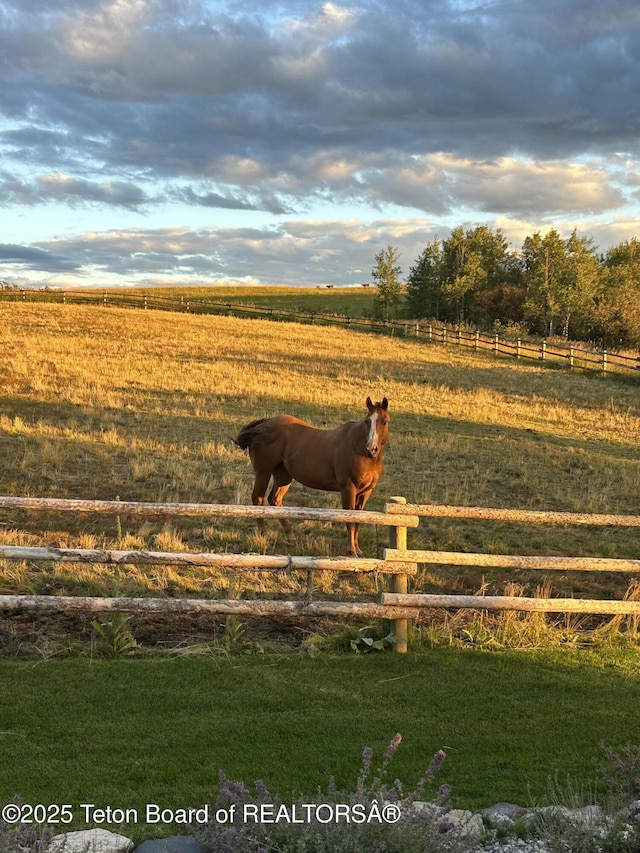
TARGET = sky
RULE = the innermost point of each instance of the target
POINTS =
(164, 142)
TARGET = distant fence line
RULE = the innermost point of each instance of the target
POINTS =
(546, 352)
(398, 561)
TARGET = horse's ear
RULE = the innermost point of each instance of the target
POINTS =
(384, 404)
(370, 405)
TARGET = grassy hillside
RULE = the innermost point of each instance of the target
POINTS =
(347, 301)
(106, 403)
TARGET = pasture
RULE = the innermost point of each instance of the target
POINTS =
(105, 403)
(346, 301)
(109, 403)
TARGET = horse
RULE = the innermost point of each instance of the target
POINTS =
(347, 459)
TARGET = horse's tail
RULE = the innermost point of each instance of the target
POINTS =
(249, 433)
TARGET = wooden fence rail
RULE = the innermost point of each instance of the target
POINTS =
(224, 607)
(516, 515)
(513, 561)
(218, 510)
(545, 351)
(236, 562)
(504, 602)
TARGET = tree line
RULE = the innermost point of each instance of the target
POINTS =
(551, 286)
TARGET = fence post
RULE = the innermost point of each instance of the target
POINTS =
(399, 583)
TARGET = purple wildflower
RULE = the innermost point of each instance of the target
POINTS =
(435, 764)
(392, 748)
(365, 770)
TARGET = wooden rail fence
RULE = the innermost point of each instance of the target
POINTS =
(234, 562)
(512, 561)
(399, 562)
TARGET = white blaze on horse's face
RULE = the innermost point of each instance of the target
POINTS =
(372, 446)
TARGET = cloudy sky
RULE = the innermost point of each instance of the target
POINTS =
(287, 141)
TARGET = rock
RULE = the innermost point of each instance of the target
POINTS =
(465, 823)
(502, 812)
(175, 844)
(631, 812)
(90, 841)
(457, 821)
(431, 808)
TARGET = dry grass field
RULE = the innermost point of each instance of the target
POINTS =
(142, 405)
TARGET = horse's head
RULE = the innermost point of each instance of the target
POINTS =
(377, 422)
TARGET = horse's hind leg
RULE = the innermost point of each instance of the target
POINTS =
(257, 495)
(281, 484)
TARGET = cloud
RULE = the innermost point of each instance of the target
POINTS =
(59, 187)
(522, 188)
(297, 252)
(412, 76)
(294, 252)
(239, 200)
(35, 258)
(437, 108)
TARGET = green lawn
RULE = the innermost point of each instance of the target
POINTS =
(125, 733)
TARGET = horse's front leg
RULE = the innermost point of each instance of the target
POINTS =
(361, 499)
(281, 482)
(349, 502)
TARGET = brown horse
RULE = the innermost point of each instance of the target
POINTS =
(346, 460)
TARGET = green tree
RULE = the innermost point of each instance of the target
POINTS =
(616, 312)
(424, 283)
(545, 262)
(562, 279)
(386, 275)
(579, 285)
(473, 262)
